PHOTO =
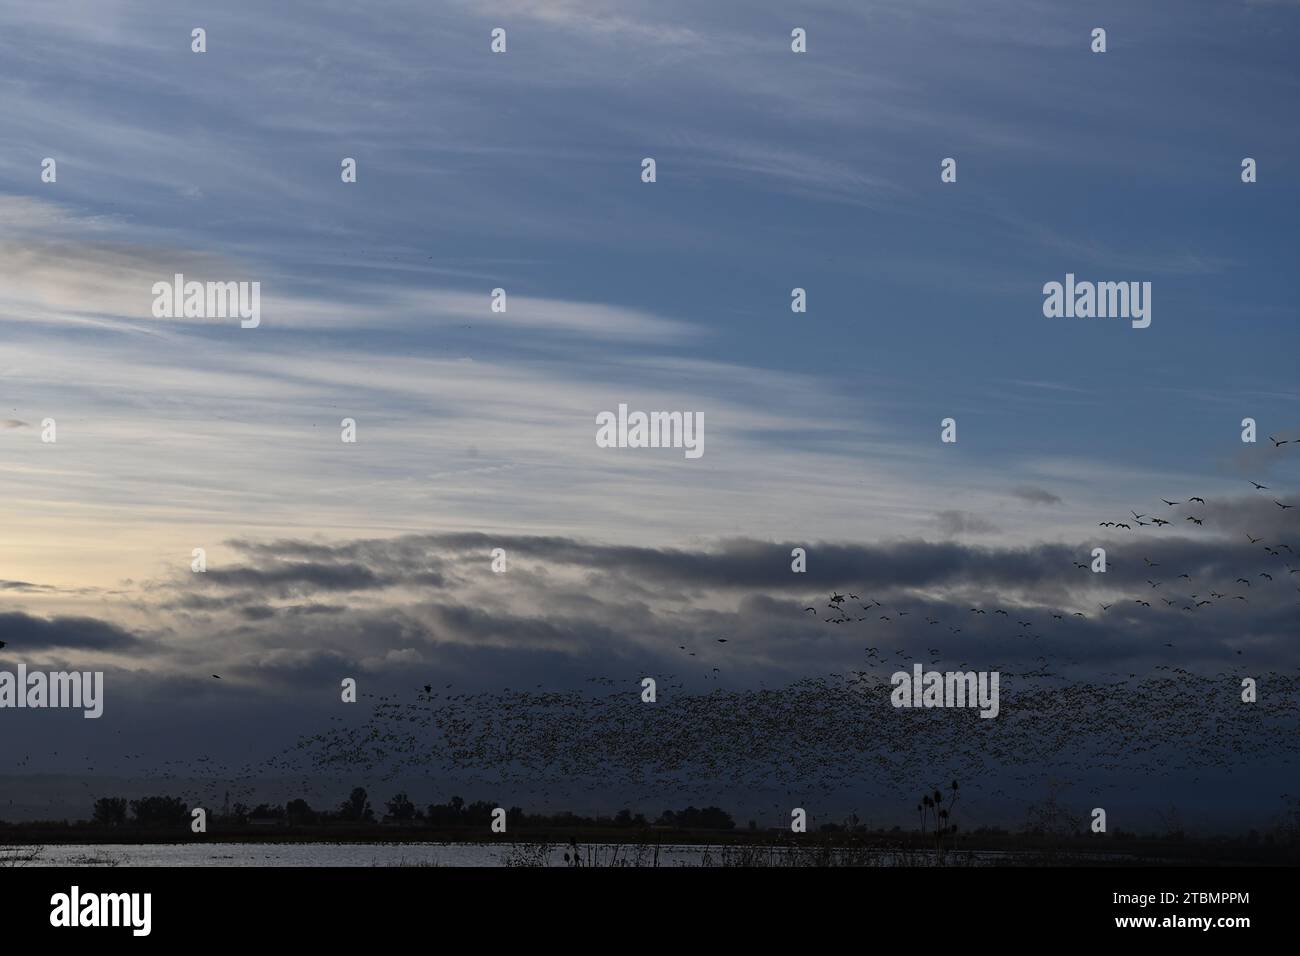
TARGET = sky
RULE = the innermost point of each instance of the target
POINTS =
(475, 429)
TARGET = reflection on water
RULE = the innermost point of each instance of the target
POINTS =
(338, 854)
(470, 854)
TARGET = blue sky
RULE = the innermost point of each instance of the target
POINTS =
(521, 171)
(776, 170)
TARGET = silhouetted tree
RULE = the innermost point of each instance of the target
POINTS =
(710, 818)
(356, 808)
(159, 811)
(401, 809)
(478, 814)
(110, 811)
(299, 812)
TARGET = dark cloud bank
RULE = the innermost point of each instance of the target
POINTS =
(725, 630)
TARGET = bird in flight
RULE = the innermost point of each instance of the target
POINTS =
(1201, 500)
(1258, 486)
(1168, 502)
(1282, 506)
(1278, 444)
(217, 676)
(1253, 540)
(1196, 520)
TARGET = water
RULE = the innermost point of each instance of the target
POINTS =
(330, 854)
(429, 854)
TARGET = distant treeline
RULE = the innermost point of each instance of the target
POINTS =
(162, 811)
(1051, 834)
(1049, 829)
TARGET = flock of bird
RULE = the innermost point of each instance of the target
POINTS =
(819, 736)
(816, 737)
(812, 738)
(1285, 567)
(811, 742)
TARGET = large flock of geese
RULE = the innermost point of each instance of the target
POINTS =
(817, 737)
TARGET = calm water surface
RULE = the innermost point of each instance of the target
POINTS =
(402, 854)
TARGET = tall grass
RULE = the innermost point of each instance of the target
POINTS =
(19, 855)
